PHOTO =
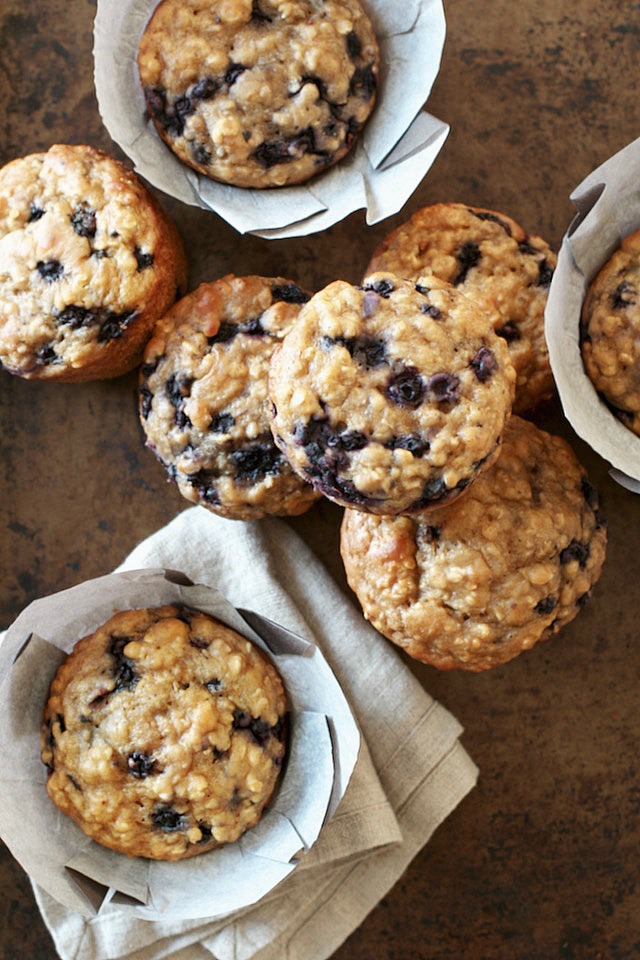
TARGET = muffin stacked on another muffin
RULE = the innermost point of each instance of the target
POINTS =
(390, 397)
(164, 733)
(89, 263)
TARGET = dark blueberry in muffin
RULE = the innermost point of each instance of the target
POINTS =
(143, 260)
(123, 669)
(412, 442)
(258, 728)
(35, 212)
(146, 400)
(183, 107)
(204, 89)
(254, 463)
(214, 685)
(623, 296)
(206, 832)
(233, 72)
(590, 495)
(289, 293)
(221, 423)
(83, 221)
(509, 331)
(204, 483)
(367, 351)
(114, 324)
(252, 328)
(575, 551)
(545, 273)
(168, 819)
(317, 82)
(271, 152)
(430, 310)
(178, 390)
(140, 765)
(156, 101)
(363, 82)
(46, 354)
(444, 387)
(384, 288)
(75, 316)
(50, 270)
(354, 46)
(406, 387)
(436, 490)
(546, 605)
(318, 437)
(468, 257)
(484, 364)
(225, 332)
(493, 218)
(348, 440)
(200, 154)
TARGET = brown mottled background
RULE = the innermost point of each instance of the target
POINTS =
(541, 861)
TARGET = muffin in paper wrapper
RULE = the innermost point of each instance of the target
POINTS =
(395, 149)
(322, 751)
(608, 209)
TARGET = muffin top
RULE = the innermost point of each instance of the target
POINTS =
(259, 93)
(390, 397)
(89, 261)
(164, 733)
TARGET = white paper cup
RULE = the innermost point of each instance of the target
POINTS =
(608, 209)
(85, 877)
(394, 151)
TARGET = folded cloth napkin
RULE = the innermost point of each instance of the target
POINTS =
(411, 772)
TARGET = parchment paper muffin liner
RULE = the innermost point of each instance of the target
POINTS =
(83, 876)
(394, 151)
(608, 208)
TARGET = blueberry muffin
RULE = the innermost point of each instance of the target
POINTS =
(203, 397)
(473, 584)
(489, 257)
(610, 332)
(259, 93)
(89, 261)
(390, 397)
(164, 733)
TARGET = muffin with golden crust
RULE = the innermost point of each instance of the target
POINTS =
(203, 397)
(259, 93)
(164, 733)
(473, 584)
(89, 261)
(390, 397)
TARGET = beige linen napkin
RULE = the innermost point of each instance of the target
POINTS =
(411, 771)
